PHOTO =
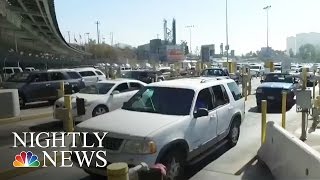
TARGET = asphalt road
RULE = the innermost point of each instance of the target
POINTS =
(236, 163)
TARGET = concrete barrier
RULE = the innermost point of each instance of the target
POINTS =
(10, 103)
(287, 157)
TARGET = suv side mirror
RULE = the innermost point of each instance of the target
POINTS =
(201, 112)
(115, 92)
(261, 81)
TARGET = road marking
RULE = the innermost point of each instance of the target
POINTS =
(25, 118)
(15, 172)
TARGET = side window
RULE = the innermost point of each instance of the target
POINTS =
(42, 77)
(234, 88)
(56, 76)
(8, 71)
(135, 86)
(220, 96)
(99, 73)
(122, 87)
(87, 73)
(204, 100)
(74, 75)
(16, 70)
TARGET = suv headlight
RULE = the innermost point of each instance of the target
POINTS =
(140, 147)
(259, 90)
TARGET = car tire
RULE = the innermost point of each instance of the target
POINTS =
(174, 162)
(99, 110)
(51, 102)
(234, 133)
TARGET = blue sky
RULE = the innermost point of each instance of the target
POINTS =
(135, 22)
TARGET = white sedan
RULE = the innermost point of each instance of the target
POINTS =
(103, 97)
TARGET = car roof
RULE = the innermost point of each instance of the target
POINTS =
(196, 83)
(120, 80)
(86, 69)
(60, 70)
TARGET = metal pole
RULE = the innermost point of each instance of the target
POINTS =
(304, 111)
(69, 36)
(267, 28)
(190, 40)
(227, 38)
(263, 120)
(98, 33)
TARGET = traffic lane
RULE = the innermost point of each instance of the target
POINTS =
(54, 173)
(37, 125)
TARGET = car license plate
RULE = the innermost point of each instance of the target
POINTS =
(270, 97)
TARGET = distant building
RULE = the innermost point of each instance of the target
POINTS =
(291, 44)
(207, 52)
(143, 52)
(301, 39)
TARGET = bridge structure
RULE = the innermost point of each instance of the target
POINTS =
(31, 25)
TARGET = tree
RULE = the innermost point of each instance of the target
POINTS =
(291, 53)
(307, 52)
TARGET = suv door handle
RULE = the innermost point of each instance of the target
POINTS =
(48, 84)
(230, 107)
(213, 116)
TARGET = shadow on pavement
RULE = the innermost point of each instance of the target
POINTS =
(257, 170)
(194, 169)
(47, 127)
(269, 109)
(37, 105)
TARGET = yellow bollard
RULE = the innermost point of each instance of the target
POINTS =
(263, 120)
(61, 89)
(118, 171)
(319, 86)
(284, 109)
(249, 86)
(68, 124)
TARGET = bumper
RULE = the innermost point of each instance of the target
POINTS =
(274, 102)
(131, 159)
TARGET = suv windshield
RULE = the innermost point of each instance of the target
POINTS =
(213, 72)
(285, 78)
(19, 77)
(254, 67)
(162, 100)
(99, 88)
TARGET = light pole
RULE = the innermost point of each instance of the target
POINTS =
(98, 32)
(190, 26)
(227, 37)
(267, 9)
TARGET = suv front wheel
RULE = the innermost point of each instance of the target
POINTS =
(174, 161)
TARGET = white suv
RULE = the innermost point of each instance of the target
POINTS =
(170, 122)
(91, 75)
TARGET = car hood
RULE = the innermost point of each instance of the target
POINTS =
(128, 123)
(276, 85)
(13, 85)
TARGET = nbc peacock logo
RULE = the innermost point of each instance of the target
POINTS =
(26, 159)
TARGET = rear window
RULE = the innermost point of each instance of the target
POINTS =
(87, 73)
(74, 75)
(235, 91)
(99, 73)
(8, 71)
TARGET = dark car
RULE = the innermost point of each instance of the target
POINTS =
(43, 85)
(272, 87)
(217, 72)
(146, 76)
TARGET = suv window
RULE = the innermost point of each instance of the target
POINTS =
(122, 87)
(56, 76)
(235, 91)
(16, 70)
(40, 77)
(8, 71)
(99, 73)
(220, 96)
(87, 73)
(204, 100)
(74, 75)
(135, 86)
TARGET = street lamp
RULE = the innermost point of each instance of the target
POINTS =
(227, 38)
(190, 26)
(267, 9)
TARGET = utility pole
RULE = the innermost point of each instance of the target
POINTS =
(98, 32)
(267, 9)
(111, 38)
(190, 26)
(227, 38)
(69, 36)
(88, 36)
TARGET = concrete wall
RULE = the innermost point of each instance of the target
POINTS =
(287, 157)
